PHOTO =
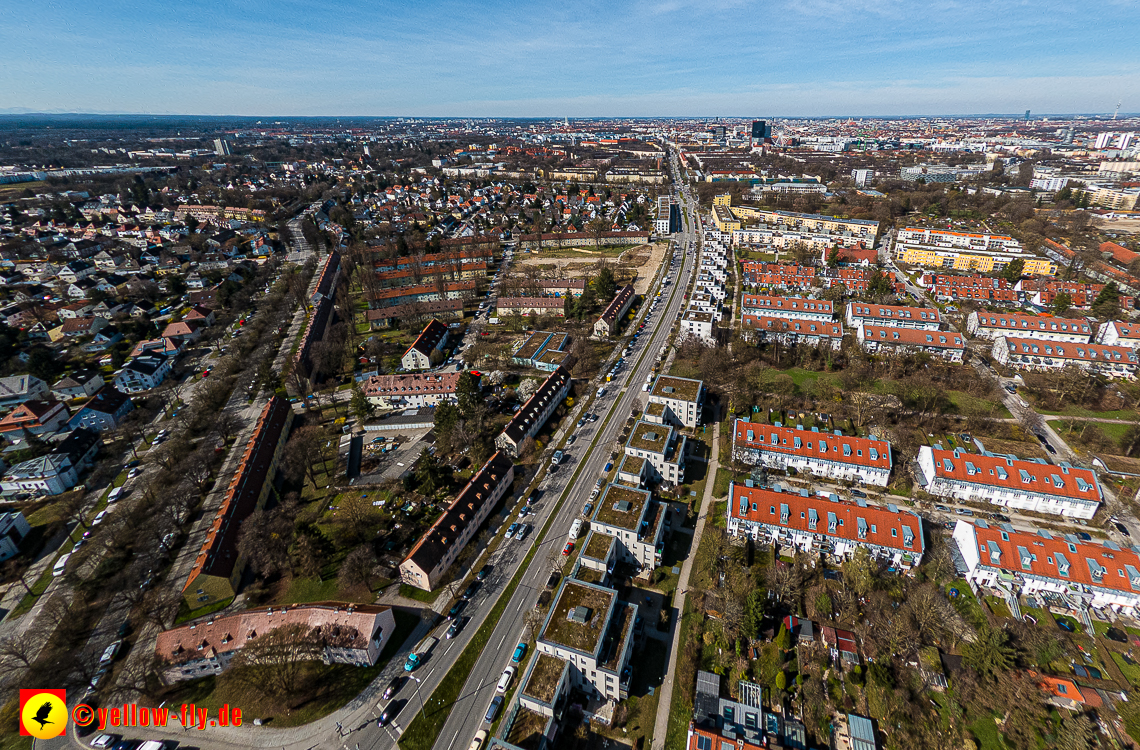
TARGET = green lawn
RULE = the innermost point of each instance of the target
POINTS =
(986, 732)
(411, 592)
(185, 614)
(1078, 411)
(1131, 671)
(1114, 430)
(305, 590)
(961, 402)
(721, 483)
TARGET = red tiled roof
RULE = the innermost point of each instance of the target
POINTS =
(880, 526)
(411, 384)
(797, 304)
(1006, 473)
(893, 312)
(1075, 352)
(913, 337)
(1120, 254)
(1034, 323)
(793, 325)
(821, 445)
(1009, 544)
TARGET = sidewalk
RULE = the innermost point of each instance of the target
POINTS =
(665, 696)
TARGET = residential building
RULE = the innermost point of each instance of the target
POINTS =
(698, 324)
(530, 306)
(143, 373)
(719, 723)
(1116, 333)
(79, 384)
(724, 220)
(1037, 354)
(791, 332)
(825, 525)
(790, 220)
(948, 238)
(822, 454)
(888, 339)
(797, 308)
(58, 471)
(542, 350)
(636, 521)
(528, 420)
(663, 222)
(1009, 481)
(343, 633)
(989, 325)
(103, 411)
(184, 330)
(609, 321)
(853, 732)
(1083, 574)
(16, 389)
(438, 549)
(680, 399)
(411, 390)
(37, 418)
(445, 309)
(588, 627)
(897, 316)
(432, 339)
(976, 287)
(662, 449)
(13, 529)
(219, 566)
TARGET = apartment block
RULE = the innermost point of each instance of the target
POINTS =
(663, 449)
(889, 339)
(825, 525)
(1038, 354)
(994, 325)
(895, 316)
(432, 339)
(592, 630)
(1115, 333)
(1010, 482)
(680, 399)
(636, 521)
(790, 332)
(800, 308)
(411, 390)
(822, 454)
(1096, 574)
(437, 549)
(528, 420)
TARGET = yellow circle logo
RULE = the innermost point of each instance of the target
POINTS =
(44, 716)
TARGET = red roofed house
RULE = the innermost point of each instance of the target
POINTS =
(823, 454)
(789, 331)
(345, 634)
(1066, 693)
(200, 313)
(1009, 481)
(1115, 333)
(842, 644)
(818, 525)
(39, 418)
(184, 330)
(1103, 575)
(411, 390)
(1120, 254)
(945, 344)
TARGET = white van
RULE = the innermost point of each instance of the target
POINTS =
(601, 392)
(505, 680)
(60, 565)
(575, 529)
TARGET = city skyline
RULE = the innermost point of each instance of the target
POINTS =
(809, 58)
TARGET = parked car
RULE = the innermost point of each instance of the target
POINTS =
(568, 549)
(505, 680)
(493, 709)
(477, 742)
(520, 652)
(483, 573)
(456, 626)
(470, 590)
(455, 610)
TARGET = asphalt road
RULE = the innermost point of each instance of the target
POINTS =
(467, 715)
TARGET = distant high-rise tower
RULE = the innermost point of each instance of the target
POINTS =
(221, 147)
(1027, 115)
(760, 130)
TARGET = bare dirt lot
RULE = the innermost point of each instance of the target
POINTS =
(1124, 226)
(641, 260)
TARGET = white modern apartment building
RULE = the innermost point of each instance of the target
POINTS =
(663, 449)
(947, 238)
(630, 515)
(681, 400)
(989, 325)
(1010, 482)
(822, 454)
(897, 316)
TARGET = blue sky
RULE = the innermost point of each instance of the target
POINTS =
(577, 59)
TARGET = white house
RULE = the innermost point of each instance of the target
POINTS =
(680, 401)
(1010, 482)
(411, 390)
(142, 373)
(945, 344)
(431, 339)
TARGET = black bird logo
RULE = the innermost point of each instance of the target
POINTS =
(42, 715)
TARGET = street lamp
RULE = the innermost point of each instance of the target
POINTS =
(419, 684)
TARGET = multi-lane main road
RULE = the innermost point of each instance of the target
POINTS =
(584, 465)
